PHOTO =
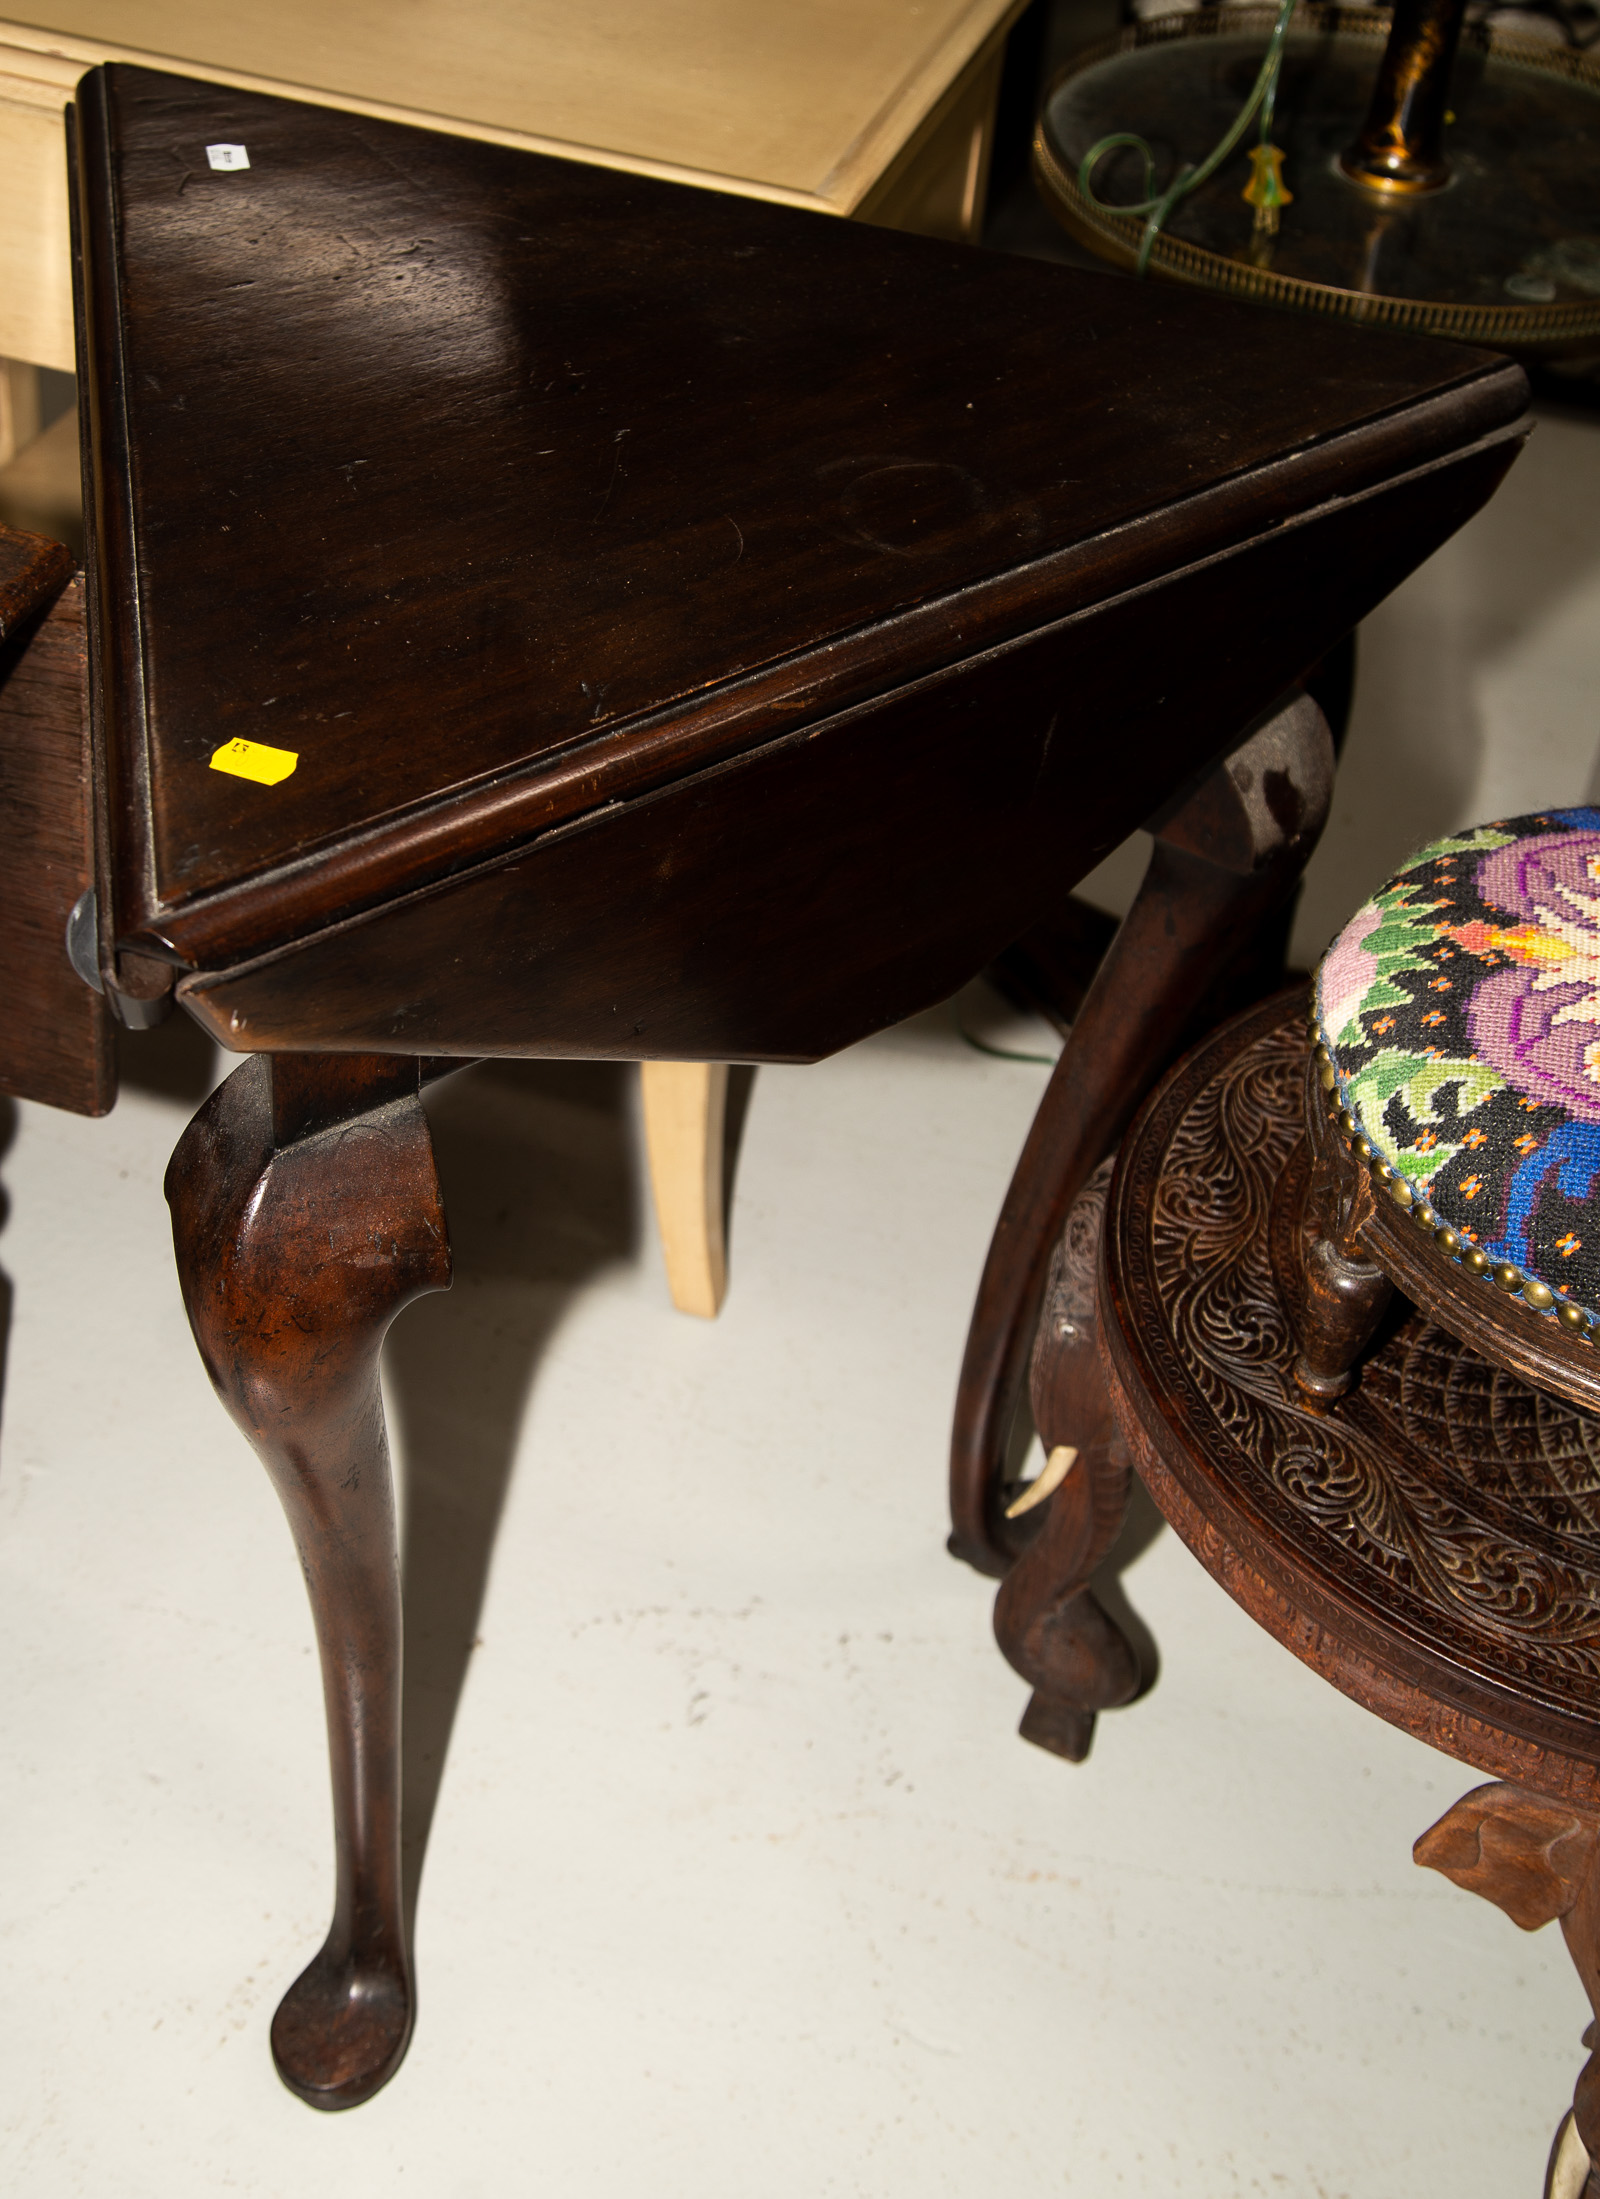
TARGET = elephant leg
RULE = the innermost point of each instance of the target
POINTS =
(1047, 1619)
(1227, 852)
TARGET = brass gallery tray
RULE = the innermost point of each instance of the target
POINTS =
(1507, 254)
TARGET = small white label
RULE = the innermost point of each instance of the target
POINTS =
(227, 156)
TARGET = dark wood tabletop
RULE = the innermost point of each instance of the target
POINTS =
(503, 494)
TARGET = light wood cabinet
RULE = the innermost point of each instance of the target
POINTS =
(877, 108)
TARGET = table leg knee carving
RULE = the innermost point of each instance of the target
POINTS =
(1536, 1859)
(303, 1222)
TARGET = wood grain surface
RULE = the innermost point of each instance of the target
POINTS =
(497, 489)
(32, 570)
(790, 901)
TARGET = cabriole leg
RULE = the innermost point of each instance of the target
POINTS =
(306, 1213)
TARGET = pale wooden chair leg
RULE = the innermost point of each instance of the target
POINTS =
(684, 1106)
(19, 407)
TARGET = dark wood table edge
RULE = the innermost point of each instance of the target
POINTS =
(496, 817)
(323, 891)
(33, 572)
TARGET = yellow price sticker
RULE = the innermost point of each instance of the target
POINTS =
(254, 760)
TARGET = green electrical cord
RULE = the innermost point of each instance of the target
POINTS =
(1263, 99)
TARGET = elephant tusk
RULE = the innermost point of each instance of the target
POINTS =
(1056, 1469)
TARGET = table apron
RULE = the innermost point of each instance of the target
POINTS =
(805, 894)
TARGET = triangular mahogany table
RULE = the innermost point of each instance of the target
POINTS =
(536, 610)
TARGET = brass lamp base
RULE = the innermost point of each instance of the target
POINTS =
(1507, 253)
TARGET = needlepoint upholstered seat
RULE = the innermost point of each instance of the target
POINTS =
(1457, 1022)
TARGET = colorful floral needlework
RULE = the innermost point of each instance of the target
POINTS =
(1461, 1009)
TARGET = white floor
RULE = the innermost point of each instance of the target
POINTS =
(740, 1884)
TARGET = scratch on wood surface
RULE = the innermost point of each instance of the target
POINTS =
(616, 468)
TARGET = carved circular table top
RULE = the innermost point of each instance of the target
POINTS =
(1431, 1543)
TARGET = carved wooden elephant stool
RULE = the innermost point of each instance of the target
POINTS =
(1345, 1328)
